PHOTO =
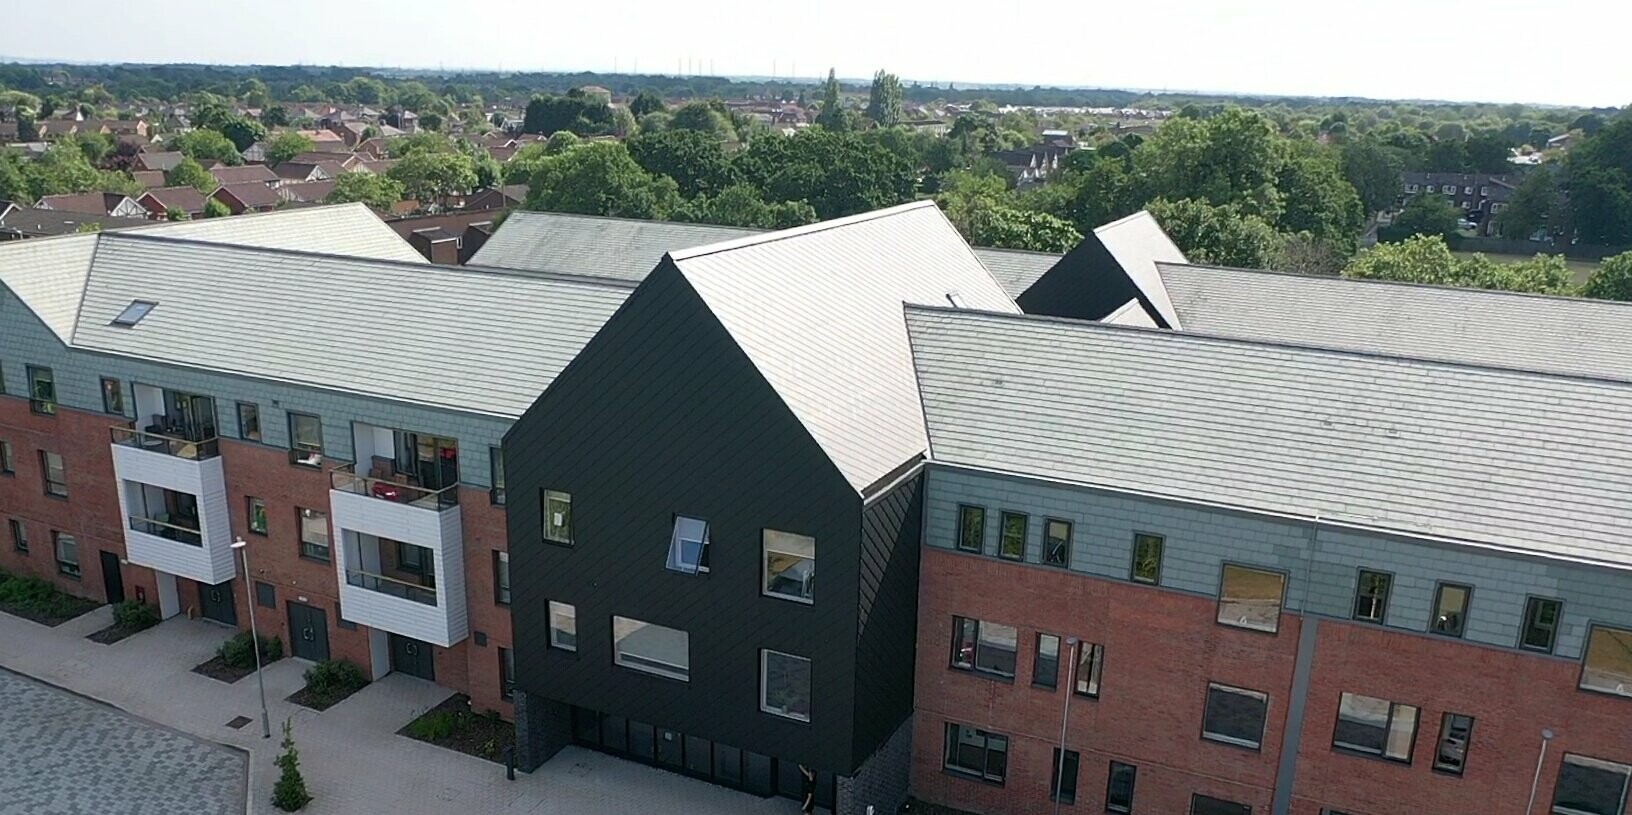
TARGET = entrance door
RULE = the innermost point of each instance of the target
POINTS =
(215, 603)
(113, 582)
(308, 632)
(412, 657)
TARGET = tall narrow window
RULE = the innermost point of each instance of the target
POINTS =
(1011, 543)
(984, 647)
(1062, 785)
(784, 685)
(67, 554)
(1147, 558)
(1375, 726)
(314, 534)
(42, 390)
(256, 510)
(249, 421)
(557, 516)
(1606, 666)
(688, 546)
(54, 473)
(1540, 628)
(1057, 543)
(1090, 661)
(507, 673)
(789, 563)
(1234, 715)
(1251, 598)
(19, 536)
(1119, 787)
(305, 440)
(113, 396)
(1371, 596)
(563, 626)
(1455, 731)
(1590, 786)
(501, 578)
(495, 460)
(971, 528)
(974, 752)
(1045, 665)
(5, 459)
(1451, 609)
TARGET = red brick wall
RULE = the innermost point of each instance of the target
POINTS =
(485, 533)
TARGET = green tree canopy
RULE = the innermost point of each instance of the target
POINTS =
(1428, 215)
(206, 145)
(1531, 207)
(741, 205)
(13, 185)
(646, 102)
(1225, 235)
(832, 116)
(61, 170)
(1373, 169)
(884, 99)
(575, 111)
(837, 173)
(243, 132)
(287, 145)
(189, 173)
(378, 191)
(431, 177)
(216, 209)
(599, 178)
(695, 160)
(704, 117)
(1428, 259)
(1612, 281)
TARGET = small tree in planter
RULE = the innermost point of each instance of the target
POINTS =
(290, 794)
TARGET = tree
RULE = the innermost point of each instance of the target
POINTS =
(1225, 235)
(884, 99)
(243, 132)
(174, 214)
(1373, 169)
(95, 146)
(287, 145)
(1318, 200)
(1428, 259)
(575, 111)
(366, 90)
(13, 185)
(560, 142)
(206, 145)
(646, 102)
(378, 191)
(1531, 207)
(253, 93)
(61, 170)
(289, 793)
(599, 178)
(489, 173)
(741, 205)
(434, 177)
(1428, 215)
(837, 173)
(275, 116)
(189, 173)
(421, 142)
(216, 209)
(696, 161)
(832, 115)
(1233, 158)
(1612, 281)
(703, 117)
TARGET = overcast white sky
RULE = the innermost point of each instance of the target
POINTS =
(1561, 51)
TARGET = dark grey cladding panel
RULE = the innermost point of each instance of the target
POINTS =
(888, 616)
(1087, 284)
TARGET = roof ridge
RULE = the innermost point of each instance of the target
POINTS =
(1160, 264)
(800, 231)
(84, 285)
(1124, 220)
(530, 213)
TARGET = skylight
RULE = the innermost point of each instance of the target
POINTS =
(134, 313)
(955, 299)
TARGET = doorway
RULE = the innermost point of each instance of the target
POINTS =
(412, 657)
(308, 632)
(113, 581)
(215, 603)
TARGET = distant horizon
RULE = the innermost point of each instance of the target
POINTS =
(1395, 50)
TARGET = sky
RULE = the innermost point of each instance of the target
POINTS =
(1567, 52)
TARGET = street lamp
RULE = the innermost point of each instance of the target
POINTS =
(1535, 781)
(255, 637)
(1071, 646)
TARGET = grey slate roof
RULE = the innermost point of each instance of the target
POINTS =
(1531, 332)
(1506, 459)
(1015, 269)
(1139, 245)
(818, 311)
(589, 245)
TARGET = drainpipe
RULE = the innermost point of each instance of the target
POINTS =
(1535, 781)
(1065, 716)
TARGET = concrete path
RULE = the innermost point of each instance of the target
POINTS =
(350, 754)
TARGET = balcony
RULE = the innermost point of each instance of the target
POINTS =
(127, 435)
(175, 509)
(398, 490)
(404, 588)
(391, 586)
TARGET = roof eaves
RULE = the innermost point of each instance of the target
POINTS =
(809, 229)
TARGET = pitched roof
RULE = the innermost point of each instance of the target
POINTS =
(307, 191)
(39, 223)
(1014, 268)
(89, 203)
(1565, 335)
(589, 245)
(1138, 244)
(297, 171)
(160, 160)
(241, 174)
(818, 311)
(1506, 459)
(149, 179)
(186, 199)
(251, 194)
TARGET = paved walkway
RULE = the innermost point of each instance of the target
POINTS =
(350, 754)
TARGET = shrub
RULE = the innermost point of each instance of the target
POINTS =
(435, 726)
(334, 678)
(39, 597)
(134, 615)
(237, 654)
(289, 793)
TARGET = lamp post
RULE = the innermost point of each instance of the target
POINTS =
(1071, 646)
(255, 637)
(1546, 736)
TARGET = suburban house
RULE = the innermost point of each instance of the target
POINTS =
(17, 223)
(1480, 196)
(93, 203)
(258, 173)
(248, 196)
(186, 200)
(295, 172)
(148, 178)
(306, 192)
(162, 161)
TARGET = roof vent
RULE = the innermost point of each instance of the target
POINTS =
(955, 299)
(134, 313)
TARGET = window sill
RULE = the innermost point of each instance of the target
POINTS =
(785, 718)
(1236, 743)
(1020, 558)
(653, 674)
(978, 779)
(986, 675)
(1448, 773)
(62, 573)
(556, 543)
(1248, 629)
(788, 598)
(323, 560)
(55, 496)
(8, 473)
(1398, 762)
(1051, 689)
(258, 533)
(1598, 692)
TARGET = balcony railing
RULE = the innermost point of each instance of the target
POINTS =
(345, 479)
(127, 435)
(179, 533)
(391, 586)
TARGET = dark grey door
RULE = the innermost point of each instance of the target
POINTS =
(412, 657)
(113, 581)
(308, 632)
(215, 603)
(670, 747)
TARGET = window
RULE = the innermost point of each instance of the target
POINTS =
(1147, 558)
(1234, 715)
(563, 626)
(56, 477)
(266, 595)
(113, 396)
(976, 753)
(1062, 782)
(1251, 598)
(1467, 190)
(1045, 665)
(557, 517)
(67, 554)
(19, 535)
(971, 528)
(1590, 786)
(495, 461)
(1607, 664)
(5, 459)
(1455, 731)
(1119, 787)
(314, 534)
(42, 391)
(305, 440)
(501, 578)
(257, 514)
(249, 421)
(1011, 542)
(1410, 188)
(507, 673)
(133, 313)
(789, 565)
(1540, 627)
(784, 685)
(651, 648)
(1451, 609)
(1375, 726)
(1090, 660)
(1371, 596)
(1207, 805)
(688, 546)
(1484, 191)
(1057, 543)
(417, 560)
(983, 647)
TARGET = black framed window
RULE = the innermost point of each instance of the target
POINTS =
(1371, 596)
(563, 625)
(1208, 805)
(507, 673)
(305, 440)
(1540, 629)
(688, 546)
(249, 421)
(1251, 598)
(19, 535)
(495, 463)
(1045, 664)
(113, 396)
(1057, 543)
(1607, 661)
(314, 533)
(1119, 783)
(1590, 786)
(971, 527)
(1090, 661)
(255, 509)
(266, 595)
(984, 647)
(54, 473)
(42, 390)
(1011, 542)
(784, 685)
(976, 753)
(557, 523)
(1062, 782)
(1377, 727)
(1234, 715)
(501, 578)
(1455, 734)
(5, 458)
(1147, 558)
(67, 550)
(1451, 609)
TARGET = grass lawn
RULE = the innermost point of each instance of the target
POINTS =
(1580, 270)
